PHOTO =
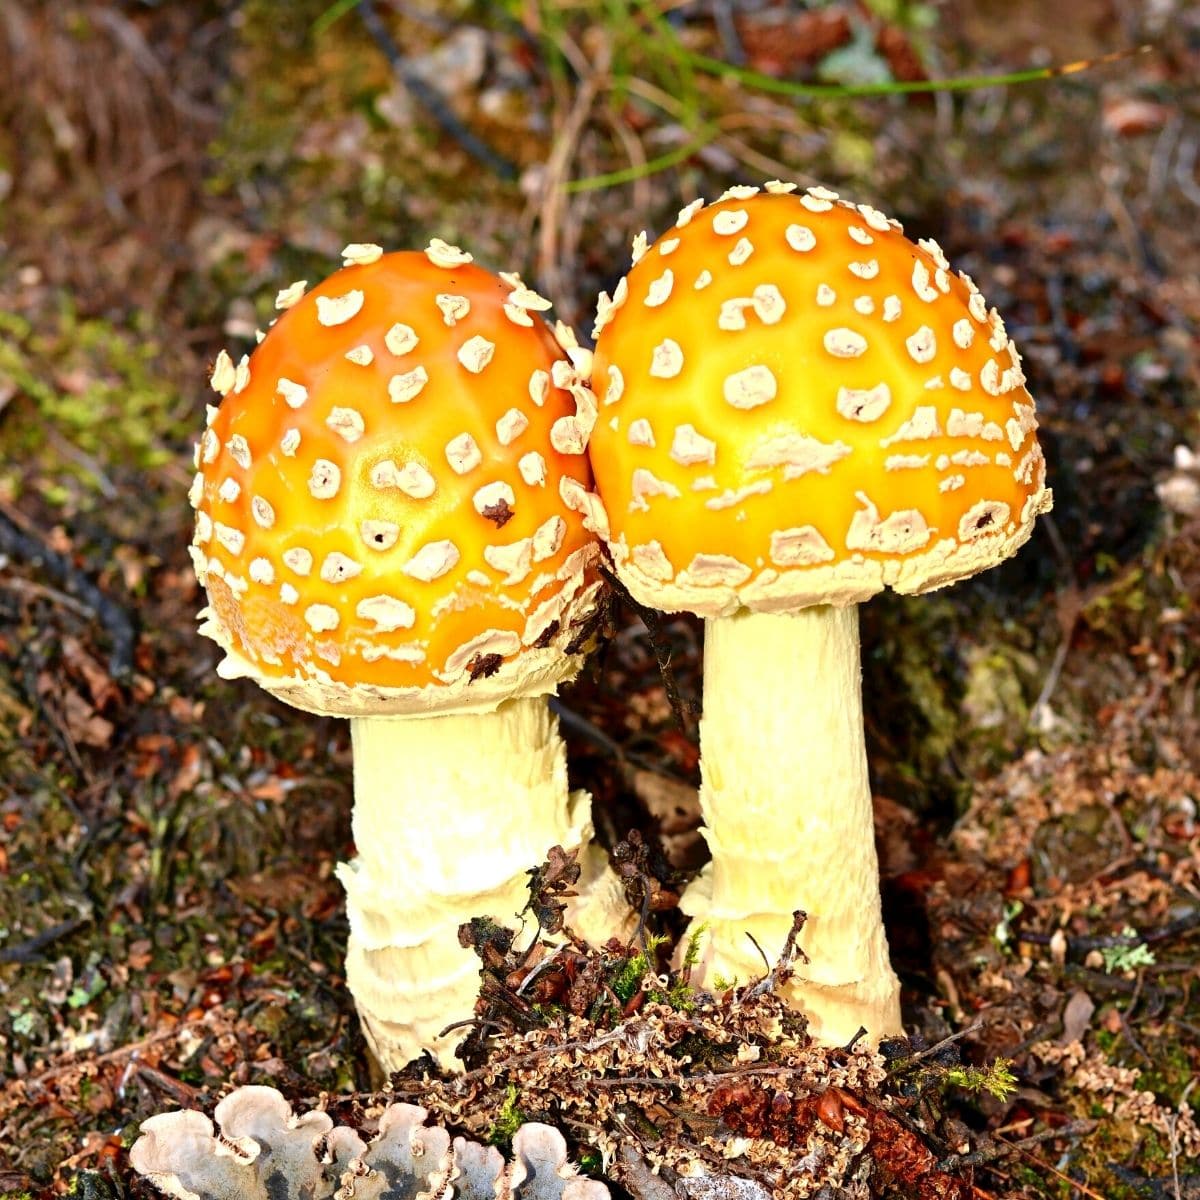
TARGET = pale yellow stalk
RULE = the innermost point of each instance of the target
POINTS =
(450, 813)
(788, 816)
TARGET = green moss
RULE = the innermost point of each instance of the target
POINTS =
(509, 1118)
(997, 1079)
(94, 401)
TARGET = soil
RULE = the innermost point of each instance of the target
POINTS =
(170, 925)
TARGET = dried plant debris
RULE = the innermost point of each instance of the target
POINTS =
(670, 1088)
(262, 1151)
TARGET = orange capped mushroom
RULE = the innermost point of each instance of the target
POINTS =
(390, 523)
(799, 407)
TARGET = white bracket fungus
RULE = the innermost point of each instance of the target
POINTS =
(261, 1150)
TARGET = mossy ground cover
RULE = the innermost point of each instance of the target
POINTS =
(169, 921)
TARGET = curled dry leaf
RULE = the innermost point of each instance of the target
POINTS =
(260, 1149)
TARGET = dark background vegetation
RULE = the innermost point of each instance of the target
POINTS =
(169, 923)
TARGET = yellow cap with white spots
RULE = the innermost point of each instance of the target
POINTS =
(391, 497)
(800, 406)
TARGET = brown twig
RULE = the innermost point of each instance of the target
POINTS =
(429, 97)
(18, 543)
(1111, 941)
(1001, 1149)
(31, 948)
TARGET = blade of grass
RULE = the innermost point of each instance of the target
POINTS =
(650, 167)
(334, 13)
(784, 87)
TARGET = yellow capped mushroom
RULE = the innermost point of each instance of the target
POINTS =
(799, 407)
(390, 524)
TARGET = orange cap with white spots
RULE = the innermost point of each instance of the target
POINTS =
(800, 406)
(390, 498)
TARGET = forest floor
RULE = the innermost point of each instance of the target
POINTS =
(170, 924)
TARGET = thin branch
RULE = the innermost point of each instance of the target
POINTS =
(430, 98)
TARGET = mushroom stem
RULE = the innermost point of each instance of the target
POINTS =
(787, 807)
(450, 813)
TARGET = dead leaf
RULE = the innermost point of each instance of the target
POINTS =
(1077, 1016)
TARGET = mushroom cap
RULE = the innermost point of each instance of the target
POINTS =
(800, 406)
(390, 498)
